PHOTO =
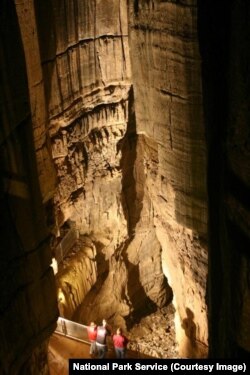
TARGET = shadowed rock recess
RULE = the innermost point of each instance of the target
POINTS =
(124, 145)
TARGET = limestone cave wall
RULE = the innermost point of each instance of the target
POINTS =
(76, 278)
(169, 123)
(130, 120)
(117, 138)
(123, 93)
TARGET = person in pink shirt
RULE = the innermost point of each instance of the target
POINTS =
(101, 339)
(120, 343)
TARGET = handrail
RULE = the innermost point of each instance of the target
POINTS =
(72, 329)
(79, 332)
(65, 244)
(75, 331)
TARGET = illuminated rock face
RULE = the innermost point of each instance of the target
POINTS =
(168, 106)
(75, 278)
(113, 98)
(123, 92)
(115, 105)
(87, 84)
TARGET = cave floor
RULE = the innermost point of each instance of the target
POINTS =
(62, 348)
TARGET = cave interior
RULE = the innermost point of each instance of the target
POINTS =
(124, 155)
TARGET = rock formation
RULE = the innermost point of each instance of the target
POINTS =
(123, 93)
(126, 121)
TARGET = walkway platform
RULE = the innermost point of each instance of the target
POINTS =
(61, 348)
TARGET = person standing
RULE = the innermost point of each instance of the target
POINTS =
(101, 339)
(120, 343)
(92, 333)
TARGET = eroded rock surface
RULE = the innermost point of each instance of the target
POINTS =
(115, 100)
(123, 92)
(77, 275)
(108, 94)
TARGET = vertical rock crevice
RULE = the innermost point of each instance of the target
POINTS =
(225, 55)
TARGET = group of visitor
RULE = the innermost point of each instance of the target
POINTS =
(98, 340)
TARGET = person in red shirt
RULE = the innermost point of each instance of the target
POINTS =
(92, 333)
(120, 343)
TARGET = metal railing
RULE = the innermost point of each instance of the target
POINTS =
(65, 245)
(71, 329)
(78, 332)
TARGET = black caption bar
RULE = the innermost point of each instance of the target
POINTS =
(189, 366)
